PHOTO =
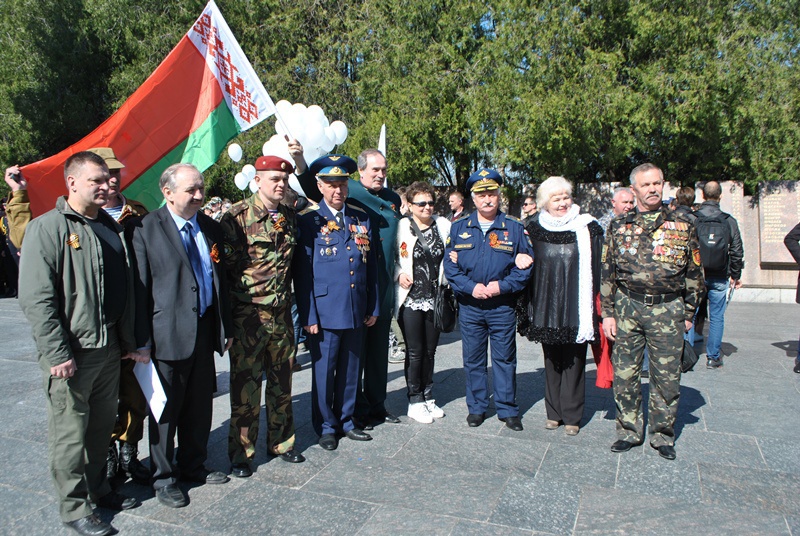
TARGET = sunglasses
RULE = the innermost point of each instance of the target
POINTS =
(528, 204)
(423, 204)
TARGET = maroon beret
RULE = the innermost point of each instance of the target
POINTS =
(274, 163)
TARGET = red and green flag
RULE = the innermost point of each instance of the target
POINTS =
(201, 96)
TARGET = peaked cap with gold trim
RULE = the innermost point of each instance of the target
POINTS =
(333, 167)
(483, 180)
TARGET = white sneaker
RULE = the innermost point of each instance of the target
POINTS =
(419, 412)
(435, 411)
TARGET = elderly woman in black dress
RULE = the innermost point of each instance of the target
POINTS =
(558, 308)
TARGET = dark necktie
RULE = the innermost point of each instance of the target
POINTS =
(339, 219)
(197, 265)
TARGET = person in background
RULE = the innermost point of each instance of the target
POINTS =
(132, 406)
(792, 243)
(722, 270)
(457, 206)
(529, 210)
(621, 202)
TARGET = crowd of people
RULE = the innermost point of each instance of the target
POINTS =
(112, 291)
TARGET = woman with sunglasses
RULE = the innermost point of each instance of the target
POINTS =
(418, 274)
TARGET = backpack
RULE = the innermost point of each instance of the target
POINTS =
(714, 234)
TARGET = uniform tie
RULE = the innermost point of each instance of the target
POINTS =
(339, 219)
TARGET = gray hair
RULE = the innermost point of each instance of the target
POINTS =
(366, 153)
(167, 179)
(618, 190)
(551, 187)
(644, 168)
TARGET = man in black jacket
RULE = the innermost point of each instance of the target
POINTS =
(182, 317)
(792, 243)
(718, 280)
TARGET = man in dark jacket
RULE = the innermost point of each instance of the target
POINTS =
(792, 243)
(718, 281)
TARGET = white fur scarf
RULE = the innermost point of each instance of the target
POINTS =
(578, 223)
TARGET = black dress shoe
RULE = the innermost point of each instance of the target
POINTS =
(116, 501)
(241, 470)
(171, 496)
(385, 416)
(475, 419)
(204, 476)
(328, 441)
(620, 445)
(358, 435)
(90, 526)
(797, 368)
(361, 424)
(666, 451)
(513, 422)
(291, 456)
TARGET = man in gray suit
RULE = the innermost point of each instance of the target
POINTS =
(182, 316)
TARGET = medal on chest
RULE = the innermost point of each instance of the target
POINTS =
(360, 236)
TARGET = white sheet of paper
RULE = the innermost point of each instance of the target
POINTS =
(151, 386)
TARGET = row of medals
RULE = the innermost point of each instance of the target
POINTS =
(669, 245)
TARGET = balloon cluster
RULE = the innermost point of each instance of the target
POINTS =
(308, 125)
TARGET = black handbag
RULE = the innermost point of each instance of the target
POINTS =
(445, 308)
(689, 357)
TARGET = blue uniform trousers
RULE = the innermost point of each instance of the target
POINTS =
(335, 360)
(498, 325)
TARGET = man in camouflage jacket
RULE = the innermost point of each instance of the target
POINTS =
(652, 278)
(260, 237)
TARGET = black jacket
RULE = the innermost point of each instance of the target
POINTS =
(735, 249)
(792, 243)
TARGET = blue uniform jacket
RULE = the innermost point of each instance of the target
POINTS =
(483, 259)
(335, 286)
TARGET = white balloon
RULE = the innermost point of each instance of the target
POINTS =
(277, 146)
(283, 106)
(253, 186)
(312, 154)
(299, 109)
(315, 111)
(340, 129)
(329, 139)
(249, 171)
(315, 134)
(241, 181)
(235, 152)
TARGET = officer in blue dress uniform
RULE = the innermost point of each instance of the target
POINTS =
(337, 297)
(486, 281)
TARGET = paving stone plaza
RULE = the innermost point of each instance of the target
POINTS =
(737, 470)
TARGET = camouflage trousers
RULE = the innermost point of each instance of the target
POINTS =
(661, 328)
(263, 345)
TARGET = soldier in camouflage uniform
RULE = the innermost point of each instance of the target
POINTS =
(652, 278)
(260, 237)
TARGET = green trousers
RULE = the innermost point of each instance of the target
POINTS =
(81, 412)
(660, 328)
(263, 345)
